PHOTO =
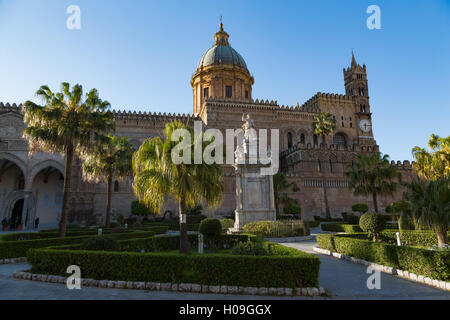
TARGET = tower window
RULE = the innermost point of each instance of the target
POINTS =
(319, 166)
(228, 91)
(116, 186)
(246, 94)
(206, 92)
(289, 140)
(331, 166)
(342, 124)
(302, 138)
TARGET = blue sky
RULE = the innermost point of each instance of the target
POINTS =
(140, 55)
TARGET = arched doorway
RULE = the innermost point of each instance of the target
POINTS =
(16, 215)
(47, 188)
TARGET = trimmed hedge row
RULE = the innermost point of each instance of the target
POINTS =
(433, 264)
(291, 268)
(340, 227)
(425, 238)
(14, 249)
(46, 235)
(313, 223)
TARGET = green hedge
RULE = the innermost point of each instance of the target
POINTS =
(340, 227)
(14, 249)
(424, 238)
(291, 268)
(433, 264)
(313, 224)
(276, 229)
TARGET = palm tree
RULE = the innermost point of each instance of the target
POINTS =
(435, 164)
(67, 124)
(324, 124)
(113, 159)
(157, 176)
(372, 175)
(430, 205)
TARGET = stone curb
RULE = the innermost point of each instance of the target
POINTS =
(291, 239)
(13, 260)
(390, 270)
(176, 287)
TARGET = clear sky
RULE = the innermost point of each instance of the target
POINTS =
(140, 55)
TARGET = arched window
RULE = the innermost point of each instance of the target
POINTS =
(339, 139)
(331, 166)
(289, 140)
(302, 138)
(116, 186)
(315, 140)
(319, 166)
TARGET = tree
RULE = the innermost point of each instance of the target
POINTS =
(373, 224)
(430, 205)
(360, 207)
(112, 159)
(280, 186)
(324, 124)
(67, 124)
(158, 176)
(436, 163)
(372, 175)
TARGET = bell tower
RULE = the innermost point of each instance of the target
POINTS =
(356, 86)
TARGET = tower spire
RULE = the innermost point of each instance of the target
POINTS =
(353, 59)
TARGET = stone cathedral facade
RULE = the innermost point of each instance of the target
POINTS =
(31, 186)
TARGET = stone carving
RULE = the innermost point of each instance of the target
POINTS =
(254, 191)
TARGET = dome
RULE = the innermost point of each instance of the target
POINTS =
(222, 54)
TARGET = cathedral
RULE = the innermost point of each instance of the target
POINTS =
(31, 187)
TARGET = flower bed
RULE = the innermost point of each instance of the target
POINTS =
(428, 263)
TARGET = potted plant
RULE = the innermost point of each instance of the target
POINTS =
(4, 224)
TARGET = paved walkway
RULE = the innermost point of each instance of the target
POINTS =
(346, 280)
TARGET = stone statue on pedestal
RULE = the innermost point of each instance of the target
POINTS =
(254, 191)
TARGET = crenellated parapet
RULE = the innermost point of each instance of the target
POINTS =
(405, 165)
(153, 116)
(10, 107)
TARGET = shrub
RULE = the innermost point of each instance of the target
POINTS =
(352, 219)
(139, 209)
(227, 224)
(290, 268)
(14, 249)
(275, 229)
(292, 209)
(360, 207)
(428, 263)
(313, 224)
(100, 243)
(340, 227)
(372, 223)
(211, 228)
(250, 248)
(130, 221)
(118, 229)
(120, 218)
